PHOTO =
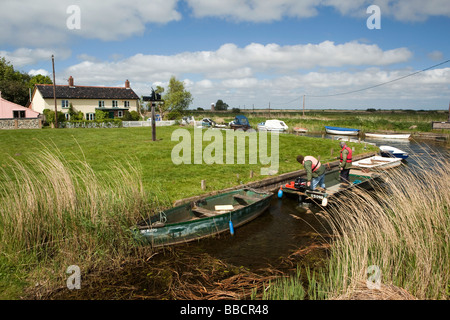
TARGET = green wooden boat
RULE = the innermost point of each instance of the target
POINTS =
(203, 218)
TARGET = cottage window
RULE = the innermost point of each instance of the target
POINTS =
(126, 104)
(115, 103)
(120, 113)
(64, 103)
(101, 104)
(90, 116)
(18, 114)
(67, 116)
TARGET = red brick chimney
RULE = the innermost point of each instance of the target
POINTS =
(71, 82)
(127, 84)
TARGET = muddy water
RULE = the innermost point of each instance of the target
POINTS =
(286, 228)
(266, 241)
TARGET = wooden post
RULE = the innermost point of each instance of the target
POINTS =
(331, 151)
(203, 183)
(153, 122)
(54, 92)
(251, 173)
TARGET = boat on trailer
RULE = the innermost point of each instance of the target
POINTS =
(342, 131)
(203, 218)
(334, 188)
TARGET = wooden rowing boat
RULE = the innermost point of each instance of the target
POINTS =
(205, 217)
(342, 131)
(377, 163)
(388, 136)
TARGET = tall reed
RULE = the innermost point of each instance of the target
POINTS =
(61, 212)
(403, 231)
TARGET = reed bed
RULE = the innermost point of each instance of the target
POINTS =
(402, 231)
(55, 213)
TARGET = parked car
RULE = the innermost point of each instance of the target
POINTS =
(240, 122)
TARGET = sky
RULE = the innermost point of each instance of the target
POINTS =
(340, 54)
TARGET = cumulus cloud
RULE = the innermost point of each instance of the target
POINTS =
(233, 62)
(259, 74)
(25, 56)
(34, 23)
(269, 10)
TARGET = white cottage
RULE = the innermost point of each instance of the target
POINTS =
(87, 99)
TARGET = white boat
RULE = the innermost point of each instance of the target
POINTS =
(273, 125)
(342, 131)
(388, 136)
(377, 163)
(388, 151)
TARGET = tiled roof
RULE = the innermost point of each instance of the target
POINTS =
(82, 92)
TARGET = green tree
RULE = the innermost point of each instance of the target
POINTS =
(15, 85)
(39, 79)
(221, 106)
(177, 99)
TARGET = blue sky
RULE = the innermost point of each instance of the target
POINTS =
(245, 52)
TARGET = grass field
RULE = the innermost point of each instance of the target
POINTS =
(102, 148)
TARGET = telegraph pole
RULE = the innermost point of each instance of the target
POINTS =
(304, 105)
(54, 92)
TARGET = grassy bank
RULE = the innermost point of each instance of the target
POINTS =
(69, 196)
(404, 235)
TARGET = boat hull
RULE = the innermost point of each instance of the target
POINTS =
(184, 225)
(377, 163)
(387, 136)
(341, 131)
(392, 152)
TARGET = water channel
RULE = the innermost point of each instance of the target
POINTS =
(286, 227)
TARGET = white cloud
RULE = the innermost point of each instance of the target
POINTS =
(34, 72)
(269, 10)
(44, 22)
(25, 56)
(253, 10)
(232, 62)
(258, 74)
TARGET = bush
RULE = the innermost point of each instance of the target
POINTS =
(50, 116)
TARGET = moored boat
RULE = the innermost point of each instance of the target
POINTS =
(377, 163)
(206, 217)
(388, 151)
(388, 136)
(273, 125)
(333, 186)
(300, 130)
(342, 131)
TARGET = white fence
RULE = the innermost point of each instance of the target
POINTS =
(128, 124)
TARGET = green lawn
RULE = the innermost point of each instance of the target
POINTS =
(102, 148)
